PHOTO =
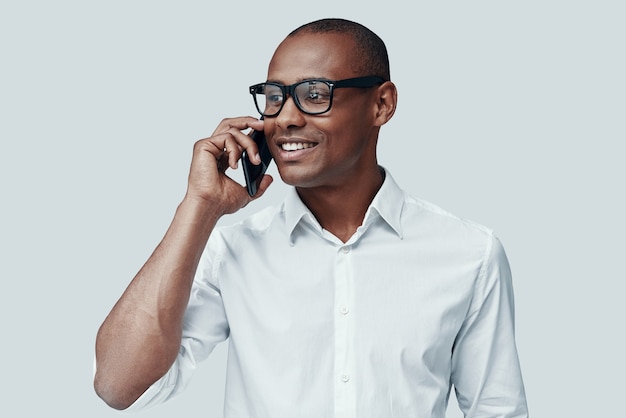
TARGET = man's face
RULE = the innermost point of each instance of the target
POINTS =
(331, 149)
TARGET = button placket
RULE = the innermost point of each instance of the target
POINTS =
(345, 395)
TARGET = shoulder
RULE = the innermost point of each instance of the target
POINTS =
(438, 228)
(426, 224)
(441, 218)
(253, 226)
(229, 241)
(457, 240)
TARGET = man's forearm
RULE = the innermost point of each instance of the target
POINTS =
(139, 340)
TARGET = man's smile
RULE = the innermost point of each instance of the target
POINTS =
(294, 146)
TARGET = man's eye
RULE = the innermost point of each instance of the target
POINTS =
(274, 98)
(317, 96)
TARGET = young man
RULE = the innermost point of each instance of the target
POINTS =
(351, 299)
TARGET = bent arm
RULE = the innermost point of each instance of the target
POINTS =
(141, 337)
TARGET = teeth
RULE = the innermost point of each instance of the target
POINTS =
(293, 146)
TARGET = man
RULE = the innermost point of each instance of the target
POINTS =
(351, 299)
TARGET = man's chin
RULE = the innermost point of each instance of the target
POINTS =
(296, 177)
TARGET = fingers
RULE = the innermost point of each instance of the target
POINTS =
(233, 151)
(235, 141)
(229, 139)
(227, 144)
(240, 124)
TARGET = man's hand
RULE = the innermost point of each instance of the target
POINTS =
(214, 155)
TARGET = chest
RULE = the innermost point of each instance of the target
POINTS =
(391, 292)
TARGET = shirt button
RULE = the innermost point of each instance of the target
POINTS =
(344, 377)
(344, 310)
(345, 250)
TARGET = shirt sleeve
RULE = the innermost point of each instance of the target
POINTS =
(205, 326)
(485, 366)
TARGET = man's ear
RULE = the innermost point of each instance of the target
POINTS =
(386, 102)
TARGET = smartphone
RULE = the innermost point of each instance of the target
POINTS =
(254, 173)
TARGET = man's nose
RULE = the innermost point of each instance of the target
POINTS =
(290, 114)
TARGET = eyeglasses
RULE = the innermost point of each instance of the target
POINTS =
(312, 97)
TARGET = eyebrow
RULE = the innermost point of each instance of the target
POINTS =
(300, 80)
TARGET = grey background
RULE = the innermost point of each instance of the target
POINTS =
(510, 114)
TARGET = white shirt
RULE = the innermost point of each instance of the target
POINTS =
(383, 325)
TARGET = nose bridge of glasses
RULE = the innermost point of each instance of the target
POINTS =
(290, 92)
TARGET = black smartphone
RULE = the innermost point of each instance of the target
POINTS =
(254, 173)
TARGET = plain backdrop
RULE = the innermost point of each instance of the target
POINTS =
(511, 113)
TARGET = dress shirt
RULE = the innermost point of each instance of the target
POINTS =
(416, 302)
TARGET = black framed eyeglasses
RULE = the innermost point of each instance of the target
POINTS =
(313, 97)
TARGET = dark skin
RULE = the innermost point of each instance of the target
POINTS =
(340, 171)
(336, 177)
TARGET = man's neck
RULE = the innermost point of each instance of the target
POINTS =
(340, 209)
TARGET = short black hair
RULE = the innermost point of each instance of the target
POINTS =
(371, 51)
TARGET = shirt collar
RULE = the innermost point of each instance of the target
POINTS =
(387, 205)
(297, 212)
